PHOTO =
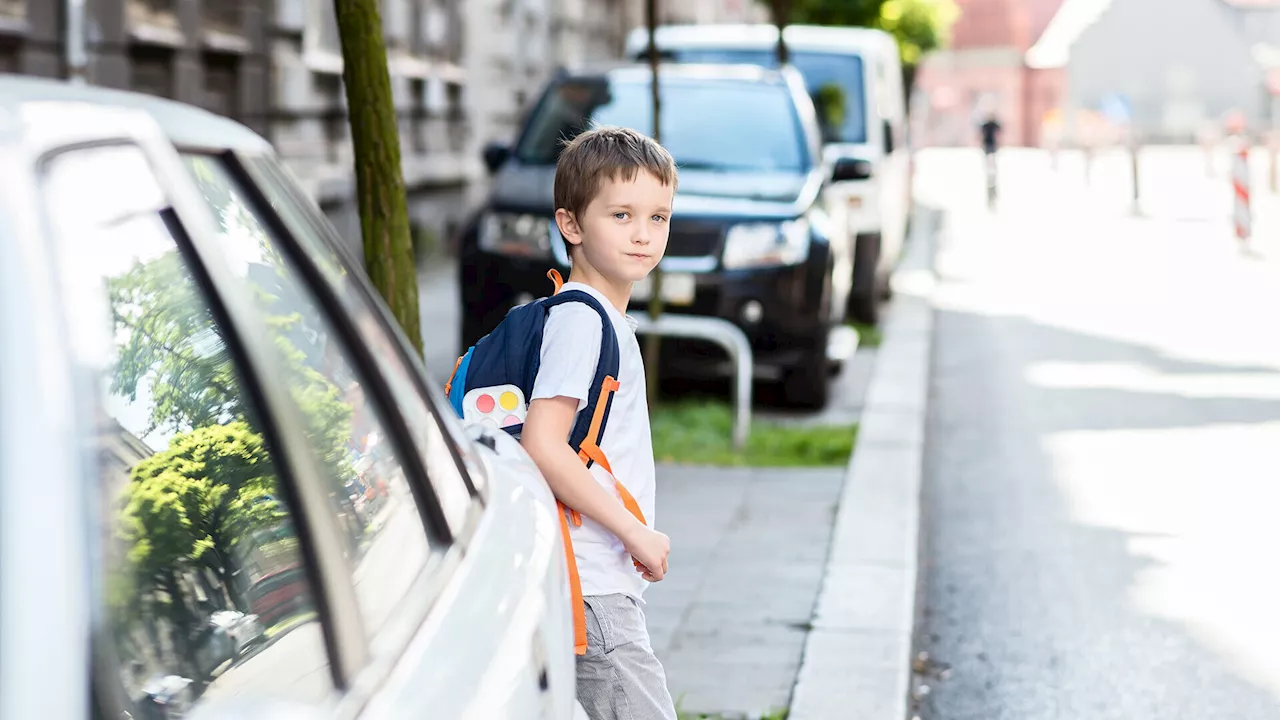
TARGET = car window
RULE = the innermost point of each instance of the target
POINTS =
(705, 124)
(823, 73)
(204, 589)
(386, 537)
(452, 466)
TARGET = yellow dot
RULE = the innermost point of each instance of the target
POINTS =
(508, 400)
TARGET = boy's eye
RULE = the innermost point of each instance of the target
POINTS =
(620, 215)
(659, 218)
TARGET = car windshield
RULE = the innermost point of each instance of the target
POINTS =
(728, 125)
(821, 72)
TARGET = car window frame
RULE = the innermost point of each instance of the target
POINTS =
(343, 632)
(261, 170)
(388, 643)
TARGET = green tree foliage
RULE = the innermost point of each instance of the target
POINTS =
(918, 25)
(192, 504)
(189, 506)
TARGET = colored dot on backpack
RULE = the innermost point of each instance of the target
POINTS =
(508, 400)
(484, 403)
(511, 420)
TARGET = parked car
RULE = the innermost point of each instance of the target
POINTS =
(856, 72)
(156, 266)
(748, 235)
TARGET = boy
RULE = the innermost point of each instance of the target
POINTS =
(613, 193)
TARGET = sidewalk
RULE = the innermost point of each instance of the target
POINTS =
(749, 546)
(792, 590)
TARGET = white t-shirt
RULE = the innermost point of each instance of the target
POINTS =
(570, 351)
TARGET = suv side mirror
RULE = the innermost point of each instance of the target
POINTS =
(495, 155)
(851, 169)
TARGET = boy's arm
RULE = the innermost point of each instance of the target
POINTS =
(546, 426)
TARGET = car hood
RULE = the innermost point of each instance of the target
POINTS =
(702, 193)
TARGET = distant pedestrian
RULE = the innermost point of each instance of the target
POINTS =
(990, 144)
(990, 134)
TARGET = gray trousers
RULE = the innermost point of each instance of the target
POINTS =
(620, 678)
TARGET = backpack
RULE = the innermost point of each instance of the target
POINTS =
(491, 384)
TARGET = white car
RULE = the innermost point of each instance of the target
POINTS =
(186, 357)
(863, 67)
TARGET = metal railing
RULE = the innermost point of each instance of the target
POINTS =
(726, 335)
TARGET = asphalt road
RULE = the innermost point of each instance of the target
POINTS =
(1099, 528)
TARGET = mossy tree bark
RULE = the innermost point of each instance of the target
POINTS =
(384, 212)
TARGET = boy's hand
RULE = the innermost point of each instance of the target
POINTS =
(649, 548)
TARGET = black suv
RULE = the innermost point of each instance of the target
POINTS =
(749, 239)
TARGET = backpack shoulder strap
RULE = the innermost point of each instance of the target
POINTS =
(590, 426)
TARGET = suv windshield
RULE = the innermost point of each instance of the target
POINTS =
(725, 125)
(820, 71)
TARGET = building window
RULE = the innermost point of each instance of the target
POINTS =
(13, 9)
(223, 15)
(335, 120)
(418, 115)
(158, 13)
(152, 70)
(222, 84)
(456, 117)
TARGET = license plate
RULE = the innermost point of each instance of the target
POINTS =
(677, 288)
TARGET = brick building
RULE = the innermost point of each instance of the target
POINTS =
(984, 70)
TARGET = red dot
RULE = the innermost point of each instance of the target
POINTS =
(484, 404)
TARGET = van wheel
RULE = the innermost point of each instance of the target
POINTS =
(864, 303)
(808, 385)
(865, 308)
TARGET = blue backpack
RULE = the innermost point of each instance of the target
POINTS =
(492, 382)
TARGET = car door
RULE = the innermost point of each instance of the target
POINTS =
(496, 642)
(182, 469)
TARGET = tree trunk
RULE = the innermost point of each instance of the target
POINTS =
(781, 11)
(384, 213)
(653, 342)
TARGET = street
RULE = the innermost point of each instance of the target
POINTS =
(1097, 519)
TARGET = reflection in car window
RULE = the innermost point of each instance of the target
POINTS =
(706, 125)
(823, 73)
(203, 580)
(382, 527)
(433, 438)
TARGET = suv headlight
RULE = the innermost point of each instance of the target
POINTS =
(766, 244)
(516, 234)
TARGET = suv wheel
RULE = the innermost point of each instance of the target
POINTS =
(808, 384)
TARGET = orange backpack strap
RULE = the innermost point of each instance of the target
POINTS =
(554, 276)
(590, 452)
(449, 385)
(575, 587)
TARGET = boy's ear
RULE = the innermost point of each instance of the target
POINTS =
(568, 225)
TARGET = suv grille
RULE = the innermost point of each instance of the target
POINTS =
(694, 239)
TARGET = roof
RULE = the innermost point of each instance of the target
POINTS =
(1054, 47)
(688, 71)
(762, 36)
(185, 125)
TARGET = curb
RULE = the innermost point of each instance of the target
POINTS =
(857, 657)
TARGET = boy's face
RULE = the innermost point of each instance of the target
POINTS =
(623, 231)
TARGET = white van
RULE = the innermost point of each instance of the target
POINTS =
(863, 63)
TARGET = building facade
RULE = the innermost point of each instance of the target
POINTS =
(983, 72)
(463, 73)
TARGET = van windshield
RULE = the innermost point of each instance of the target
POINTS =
(707, 124)
(821, 71)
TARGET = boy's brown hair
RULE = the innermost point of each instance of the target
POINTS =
(607, 153)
